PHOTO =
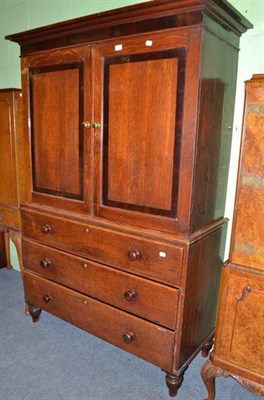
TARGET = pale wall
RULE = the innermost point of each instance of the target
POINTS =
(20, 15)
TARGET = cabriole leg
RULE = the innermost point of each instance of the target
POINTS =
(209, 372)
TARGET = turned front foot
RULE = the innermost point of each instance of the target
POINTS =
(34, 312)
(174, 383)
(207, 348)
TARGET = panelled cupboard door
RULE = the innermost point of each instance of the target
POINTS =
(59, 93)
(239, 338)
(8, 179)
(248, 241)
(139, 102)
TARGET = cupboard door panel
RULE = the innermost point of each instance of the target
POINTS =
(57, 137)
(59, 93)
(142, 113)
(8, 187)
(248, 241)
(149, 79)
(241, 319)
(141, 125)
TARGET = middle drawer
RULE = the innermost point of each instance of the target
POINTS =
(142, 297)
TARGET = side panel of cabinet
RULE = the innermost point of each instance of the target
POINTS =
(239, 337)
(248, 239)
(202, 282)
(8, 161)
(141, 90)
(217, 94)
(58, 87)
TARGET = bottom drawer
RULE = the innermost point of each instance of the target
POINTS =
(144, 339)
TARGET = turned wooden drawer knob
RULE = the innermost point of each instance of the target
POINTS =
(128, 337)
(45, 263)
(47, 298)
(46, 228)
(130, 295)
(133, 255)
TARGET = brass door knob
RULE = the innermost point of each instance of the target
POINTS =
(96, 125)
(130, 295)
(128, 337)
(86, 124)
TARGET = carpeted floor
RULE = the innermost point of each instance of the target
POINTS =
(53, 360)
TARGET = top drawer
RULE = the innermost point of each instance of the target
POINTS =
(141, 256)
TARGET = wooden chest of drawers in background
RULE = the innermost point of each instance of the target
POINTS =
(130, 114)
(14, 171)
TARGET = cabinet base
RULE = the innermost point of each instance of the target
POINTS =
(209, 372)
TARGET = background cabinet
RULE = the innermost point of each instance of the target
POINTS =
(130, 115)
(239, 345)
(15, 172)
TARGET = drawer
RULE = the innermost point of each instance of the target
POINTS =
(10, 217)
(150, 300)
(148, 258)
(142, 338)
